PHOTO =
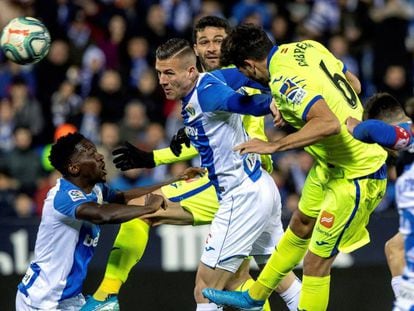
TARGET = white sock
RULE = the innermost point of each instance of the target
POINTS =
(395, 283)
(208, 307)
(291, 295)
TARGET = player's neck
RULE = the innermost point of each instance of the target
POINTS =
(83, 184)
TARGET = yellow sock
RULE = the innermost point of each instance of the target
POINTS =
(289, 252)
(245, 286)
(315, 293)
(128, 248)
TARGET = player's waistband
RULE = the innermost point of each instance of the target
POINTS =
(381, 173)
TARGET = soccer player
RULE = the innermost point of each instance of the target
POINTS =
(69, 229)
(198, 203)
(315, 93)
(248, 218)
(388, 125)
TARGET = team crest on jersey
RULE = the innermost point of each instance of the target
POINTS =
(292, 91)
(327, 219)
(76, 195)
(190, 109)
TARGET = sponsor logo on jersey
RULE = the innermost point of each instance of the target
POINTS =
(76, 195)
(90, 241)
(190, 109)
(327, 219)
(294, 93)
(191, 132)
(320, 243)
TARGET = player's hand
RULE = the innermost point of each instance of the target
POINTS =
(155, 202)
(178, 139)
(256, 146)
(192, 172)
(351, 123)
(277, 116)
(128, 157)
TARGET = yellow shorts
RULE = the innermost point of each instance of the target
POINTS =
(197, 196)
(342, 208)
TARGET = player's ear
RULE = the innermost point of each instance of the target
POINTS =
(73, 169)
(248, 64)
(192, 73)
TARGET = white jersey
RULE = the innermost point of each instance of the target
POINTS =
(405, 204)
(64, 246)
(214, 128)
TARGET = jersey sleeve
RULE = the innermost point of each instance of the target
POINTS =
(297, 101)
(166, 156)
(235, 79)
(108, 193)
(390, 136)
(66, 202)
(215, 95)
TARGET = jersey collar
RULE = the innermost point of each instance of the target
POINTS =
(271, 53)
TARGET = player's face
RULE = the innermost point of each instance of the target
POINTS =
(175, 76)
(90, 162)
(207, 47)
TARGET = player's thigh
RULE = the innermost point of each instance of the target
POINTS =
(344, 215)
(313, 194)
(195, 196)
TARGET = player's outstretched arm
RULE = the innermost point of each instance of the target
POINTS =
(394, 137)
(320, 123)
(114, 213)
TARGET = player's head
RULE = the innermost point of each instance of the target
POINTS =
(208, 34)
(176, 68)
(247, 47)
(75, 156)
(385, 107)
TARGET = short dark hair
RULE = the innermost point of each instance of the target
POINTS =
(210, 21)
(383, 106)
(174, 47)
(62, 151)
(246, 41)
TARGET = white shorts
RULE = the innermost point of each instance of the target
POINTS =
(248, 222)
(70, 304)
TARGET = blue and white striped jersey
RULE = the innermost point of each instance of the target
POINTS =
(211, 113)
(64, 246)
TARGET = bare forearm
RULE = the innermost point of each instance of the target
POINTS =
(311, 133)
(113, 213)
(137, 192)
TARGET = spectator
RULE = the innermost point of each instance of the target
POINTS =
(24, 206)
(89, 120)
(65, 103)
(27, 110)
(6, 126)
(109, 140)
(8, 193)
(23, 162)
(112, 96)
(93, 66)
(134, 123)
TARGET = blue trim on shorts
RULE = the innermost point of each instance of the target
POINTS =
(190, 193)
(357, 199)
(36, 271)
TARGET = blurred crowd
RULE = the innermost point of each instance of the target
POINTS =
(99, 78)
